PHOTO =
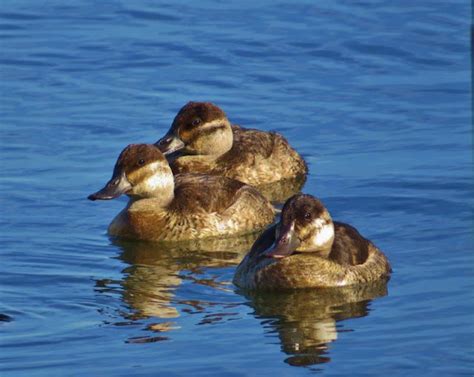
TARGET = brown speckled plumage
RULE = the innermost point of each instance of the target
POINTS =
(254, 157)
(203, 206)
(349, 247)
(309, 271)
(183, 207)
(352, 258)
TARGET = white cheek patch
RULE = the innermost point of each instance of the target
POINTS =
(318, 223)
(161, 178)
(324, 234)
(156, 182)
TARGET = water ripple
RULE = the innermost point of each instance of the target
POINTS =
(376, 97)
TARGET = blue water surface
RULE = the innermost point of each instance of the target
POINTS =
(375, 95)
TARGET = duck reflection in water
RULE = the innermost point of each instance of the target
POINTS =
(157, 269)
(306, 320)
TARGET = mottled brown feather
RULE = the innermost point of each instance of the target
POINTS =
(203, 207)
(349, 247)
(352, 259)
(256, 157)
(207, 193)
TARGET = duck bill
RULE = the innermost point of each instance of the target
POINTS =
(286, 243)
(169, 144)
(113, 189)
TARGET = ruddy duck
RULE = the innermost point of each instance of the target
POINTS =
(306, 249)
(184, 207)
(209, 144)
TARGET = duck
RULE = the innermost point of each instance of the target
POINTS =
(202, 140)
(307, 249)
(163, 207)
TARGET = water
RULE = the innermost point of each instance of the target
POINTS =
(375, 95)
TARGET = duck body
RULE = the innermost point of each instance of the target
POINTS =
(209, 144)
(184, 207)
(317, 259)
(203, 207)
(307, 270)
(256, 158)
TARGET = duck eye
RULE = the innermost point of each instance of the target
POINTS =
(196, 121)
(307, 216)
(141, 162)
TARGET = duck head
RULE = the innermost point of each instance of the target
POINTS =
(305, 226)
(141, 171)
(199, 128)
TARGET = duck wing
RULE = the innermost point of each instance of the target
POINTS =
(197, 193)
(349, 247)
(249, 143)
(263, 242)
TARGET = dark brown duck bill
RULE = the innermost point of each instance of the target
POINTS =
(286, 243)
(169, 144)
(113, 189)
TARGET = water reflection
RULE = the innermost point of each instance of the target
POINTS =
(306, 320)
(156, 270)
(279, 192)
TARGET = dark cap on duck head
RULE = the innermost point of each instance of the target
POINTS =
(195, 113)
(190, 117)
(133, 157)
(302, 208)
(298, 211)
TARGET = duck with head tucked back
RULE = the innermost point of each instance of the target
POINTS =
(306, 249)
(209, 144)
(183, 207)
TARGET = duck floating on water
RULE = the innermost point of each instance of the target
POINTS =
(207, 143)
(306, 249)
(183, 207)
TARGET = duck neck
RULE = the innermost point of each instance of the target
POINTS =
(325, 250)
(225, 139)
(324, 240)
(158, 186)
(216, 138)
